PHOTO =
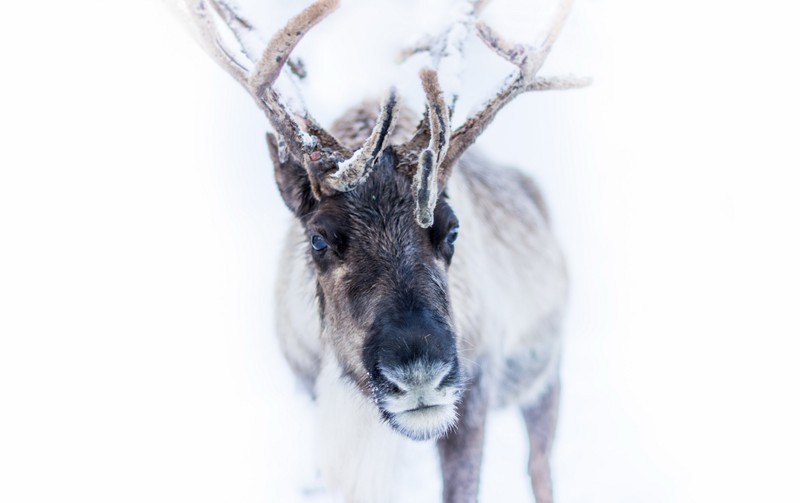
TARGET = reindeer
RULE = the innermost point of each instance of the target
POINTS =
(420, 284)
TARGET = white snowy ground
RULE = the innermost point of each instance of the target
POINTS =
(139, 225)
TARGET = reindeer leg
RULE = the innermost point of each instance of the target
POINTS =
(460, 451)
(540, 420)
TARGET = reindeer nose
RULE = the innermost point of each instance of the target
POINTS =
(415, 372)
(411, 352)
(419, 378)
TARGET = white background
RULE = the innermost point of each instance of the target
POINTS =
(139, 225)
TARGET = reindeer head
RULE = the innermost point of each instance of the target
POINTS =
(382, 291)
(381, 241)
(380, 232)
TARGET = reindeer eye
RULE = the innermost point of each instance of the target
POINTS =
(318, 242)
(452, 235)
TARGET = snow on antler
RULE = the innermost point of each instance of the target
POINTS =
(263, 65)
(433, 149)
(447, 48)
(357, 168)
(435, 165)
(330, 166)
(529, 60)
(425, 181)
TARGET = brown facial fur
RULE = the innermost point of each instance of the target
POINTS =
(378, 261)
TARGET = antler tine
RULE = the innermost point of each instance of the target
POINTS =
(446, 49)
(353, 171)
(438, 113)
(564, 9)
(282, 43)
(427, 177)
(267, 66)
(240, 27)
(211, 39)
(529, 60)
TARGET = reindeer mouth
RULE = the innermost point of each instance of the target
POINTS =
(419, 402)
(424, 407)
(425, 422)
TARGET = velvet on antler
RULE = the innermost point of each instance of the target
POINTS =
(331, 166)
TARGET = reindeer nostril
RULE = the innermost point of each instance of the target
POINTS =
(393, 388)
(389, 382)
(420, 377)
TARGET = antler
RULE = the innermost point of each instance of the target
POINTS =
(446, 49)
(330, 166)
(355, 170)
(529, 61)
(435, 166)
(257, 75)
(438, 128)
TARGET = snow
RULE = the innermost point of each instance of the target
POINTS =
(445, 50)
(345, 165)
(140, 227)
(245, 45)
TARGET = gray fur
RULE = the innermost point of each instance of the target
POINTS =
(540, 421)
(384, 318)
(507, 286)
(461, 450)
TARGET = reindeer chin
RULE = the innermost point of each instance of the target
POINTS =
(424, 423)
(425, 416)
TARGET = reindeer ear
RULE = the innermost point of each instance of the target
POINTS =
(292, 180)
